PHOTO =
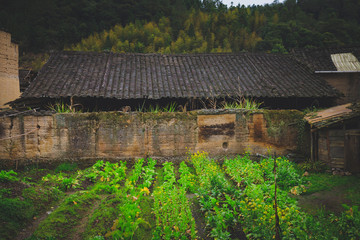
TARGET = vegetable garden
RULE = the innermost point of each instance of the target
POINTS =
(198, 199)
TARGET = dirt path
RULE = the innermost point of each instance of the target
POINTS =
(330, 200)
(30, 229)
(198, 216)
(80, 228)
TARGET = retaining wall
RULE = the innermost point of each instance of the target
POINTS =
(168, 136)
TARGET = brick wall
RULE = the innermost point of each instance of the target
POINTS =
(168, 136)
(9, 76)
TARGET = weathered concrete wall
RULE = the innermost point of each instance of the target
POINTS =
(9, 76)
(117, 135)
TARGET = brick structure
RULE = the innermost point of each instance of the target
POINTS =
(9, 78)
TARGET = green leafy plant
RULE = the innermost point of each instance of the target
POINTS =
(8, 176)
(216, 196)
(172, 210)
(187, 180)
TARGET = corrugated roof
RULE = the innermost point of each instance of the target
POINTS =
(345, 62)
(155, 76)
(333, 115)
(319, 59)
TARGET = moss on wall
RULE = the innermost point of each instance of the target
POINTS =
(121, 135)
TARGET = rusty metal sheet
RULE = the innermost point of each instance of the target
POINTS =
(345, 62)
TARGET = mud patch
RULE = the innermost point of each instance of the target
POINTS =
(199, 218)
(329, 200)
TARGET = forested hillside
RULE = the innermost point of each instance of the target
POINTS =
(178, 26)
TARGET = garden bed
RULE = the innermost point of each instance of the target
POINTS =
(197, 199)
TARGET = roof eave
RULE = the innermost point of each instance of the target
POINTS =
(337, 71)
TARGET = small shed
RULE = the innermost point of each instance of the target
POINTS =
(339, 67)
(335, 136)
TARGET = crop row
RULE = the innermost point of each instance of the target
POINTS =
(172, 209)
(236, 200)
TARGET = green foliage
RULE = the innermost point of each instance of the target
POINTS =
(244, 171)
(217, 197)
(66, 167)
(14, 213)
(276, 28)
(180, 26)
(187, 179)
(171, 107)
(288, 175)
(8, 176)
(234, 198)
(62, 181)
(313, 166)
(257, 211)
(242, 103)
(324, 181)
(130, 218)
(41, 197)
(61, 107)
(66, 216)
(349, 222)
(172, 209)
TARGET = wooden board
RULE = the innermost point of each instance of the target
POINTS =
(352, 150)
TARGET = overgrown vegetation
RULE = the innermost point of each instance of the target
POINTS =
(180, 26)
(150, 201)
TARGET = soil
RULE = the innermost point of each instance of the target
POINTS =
(15, 187)
(30, 229)
(199, 218)
(80, 229)
(329, 200)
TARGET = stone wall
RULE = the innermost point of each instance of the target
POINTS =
(168, 136)
(9, 76)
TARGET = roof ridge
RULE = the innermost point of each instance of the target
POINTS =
(175, 54)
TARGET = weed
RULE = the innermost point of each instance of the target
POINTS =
(154, 109)
(61, 107)
(313, 166)
(66, 216)
(241, 102)
(103, 217)
(14, 213)
(66, 167)
(41, 197)
(324, 181)
(8, 176)
(170, 107)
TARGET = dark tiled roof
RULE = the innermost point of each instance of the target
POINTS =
(319, 59)
(25, 78)
(155, 76)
